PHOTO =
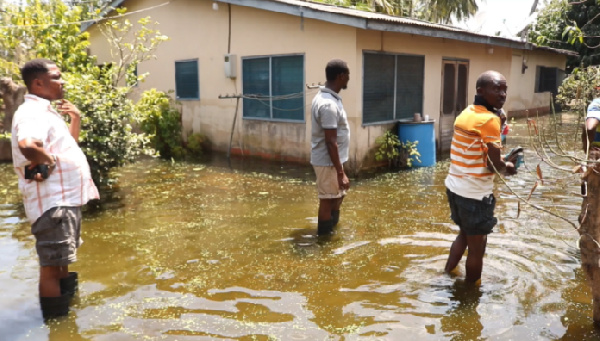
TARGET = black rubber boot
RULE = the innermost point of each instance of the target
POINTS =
(53, 307)
(325, 228)
(335, 217)
(68, 285)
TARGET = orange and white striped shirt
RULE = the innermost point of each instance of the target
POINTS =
(70, 183)
(469, 176)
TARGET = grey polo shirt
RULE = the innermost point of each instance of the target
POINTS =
(328, 113)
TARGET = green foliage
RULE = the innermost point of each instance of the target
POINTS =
(579, 88)
(196, 144)
(50, 29)
(441, 11)
(550, 25)
(38, 29)
(571, 26)
(162, 123)
(107, 137)
(397, 153)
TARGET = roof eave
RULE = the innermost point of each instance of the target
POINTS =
(384, 25)
(107, 9)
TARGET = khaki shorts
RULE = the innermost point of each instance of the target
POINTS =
(327, 183)
(57, 233)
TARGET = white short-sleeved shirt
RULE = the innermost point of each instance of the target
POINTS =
(70, 183)
(328, 113)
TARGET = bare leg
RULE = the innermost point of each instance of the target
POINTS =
(50, 280)
(325, 207)
(338, 204)
(456, 251)
(476, 245)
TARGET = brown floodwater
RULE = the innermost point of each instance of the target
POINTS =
(190, 251)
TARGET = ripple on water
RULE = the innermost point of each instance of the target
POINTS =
(233, 313)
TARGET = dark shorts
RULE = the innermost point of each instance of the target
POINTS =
(474, 217)
(57, 233)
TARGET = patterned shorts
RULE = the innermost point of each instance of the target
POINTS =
(57, 233)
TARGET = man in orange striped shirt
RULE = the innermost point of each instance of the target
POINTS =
(475, 157)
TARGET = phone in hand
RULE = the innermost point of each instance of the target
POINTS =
(515, 156)
(39, 169)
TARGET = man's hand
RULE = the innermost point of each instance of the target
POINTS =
(38, 176)
(496, 162)
(65, 107)
(510, 168)
(343, 181)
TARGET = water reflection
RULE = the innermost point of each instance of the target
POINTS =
(206, 252)
(462, 321)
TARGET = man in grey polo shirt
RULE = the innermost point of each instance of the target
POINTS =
(330, 145)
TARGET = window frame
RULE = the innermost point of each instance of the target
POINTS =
(198, 78)
(458, 62)
(538, 80)
(270, 57)
(395, 55)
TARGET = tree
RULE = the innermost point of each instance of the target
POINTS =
(442, 11)
(50, 29)
(576, 92)
(570, 25)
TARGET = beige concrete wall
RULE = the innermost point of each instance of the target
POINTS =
(197, 31)
(521, 93)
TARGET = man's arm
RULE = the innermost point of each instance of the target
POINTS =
(34, 151)
(589, 131)
(495, 156)
(67, 108)
(332, 148)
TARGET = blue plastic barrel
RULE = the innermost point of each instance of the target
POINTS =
(424, 132)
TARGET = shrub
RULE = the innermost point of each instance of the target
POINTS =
(398, 154)
(196, 144)
(161, 122)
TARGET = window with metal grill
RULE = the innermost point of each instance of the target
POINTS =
(273, 87)
(393, 86)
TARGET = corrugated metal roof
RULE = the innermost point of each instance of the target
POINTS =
(384, 22)
(364, 14)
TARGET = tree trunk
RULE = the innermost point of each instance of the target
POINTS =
(13, 95)
(534, 7)
(589, 243)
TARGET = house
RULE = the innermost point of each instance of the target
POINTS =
(277, 49)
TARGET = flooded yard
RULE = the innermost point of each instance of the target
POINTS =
(189, 251)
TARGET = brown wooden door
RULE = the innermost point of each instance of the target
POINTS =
(455, 79)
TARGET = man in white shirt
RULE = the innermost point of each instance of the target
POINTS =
(54, 179)
(330, 145)
(591, 131)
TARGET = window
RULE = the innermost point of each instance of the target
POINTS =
(186, 80)
(393, 86)
(548, 79)
(274, 87)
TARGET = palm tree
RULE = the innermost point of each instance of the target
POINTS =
(441, 11)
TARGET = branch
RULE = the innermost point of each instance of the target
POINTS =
(527, 202)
